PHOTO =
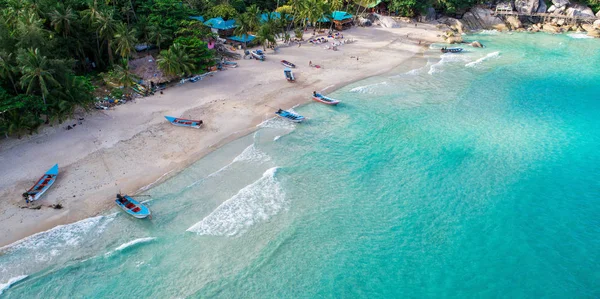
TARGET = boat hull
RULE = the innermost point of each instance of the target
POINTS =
(291, 116)
(326, 100)
(181, 122)
(133, 207)
(43, 184)
(288, 64)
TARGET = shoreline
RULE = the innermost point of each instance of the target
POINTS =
(140, 153)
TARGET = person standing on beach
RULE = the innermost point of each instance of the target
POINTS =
(310, 63)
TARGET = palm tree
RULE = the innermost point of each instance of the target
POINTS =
(158, 36)
(91, 16)
(125, 40)
(36, 72)
(243, 26)
(107, 26)
(61, 19)
(253, 15)
(265, 36)
(123, 74)
(175, 61)
(7, 69)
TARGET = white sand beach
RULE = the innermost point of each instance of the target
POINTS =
(132, 146)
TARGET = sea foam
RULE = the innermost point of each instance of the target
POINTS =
(12, 281)
(368, 88)
(134, 242)
(254, 203)
(482, 59)
(62, 236)
(446, 59)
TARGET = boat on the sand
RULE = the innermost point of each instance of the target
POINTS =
(289, 75)
(297, 118)
(288, 64)
(325, 100)
(258, 54)
(132, 206)
(182, 122)
(42, 185)
(451, 50)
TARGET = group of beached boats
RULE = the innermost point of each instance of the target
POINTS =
(138, 209)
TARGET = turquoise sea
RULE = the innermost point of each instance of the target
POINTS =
(473, 175)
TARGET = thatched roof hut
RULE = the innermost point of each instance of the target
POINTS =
(147, 69)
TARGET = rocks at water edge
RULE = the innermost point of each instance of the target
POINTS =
(476, 44)
(596, 24)
(598, 14)
(551, 28)
(481, 18)
(514, 22)
(452, 38)
(527, 6)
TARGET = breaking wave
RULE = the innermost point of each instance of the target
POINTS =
(133, 243)
(482, 59)
(60, 237)
(12, 281)
(367, 88)
(252, 204)
(578, 35)
(445, 59)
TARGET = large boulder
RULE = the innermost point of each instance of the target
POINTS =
(594, 33)
(430, 16)
(598, 14)
(508, 5)
(588, 27)
(577, 10)
(551, 28)
(560, 3)
(480, 18)
(557, 10)
(454, 39)
(542, 7)
(514, 23)
(597, 24)
(476, 44)
(527, 6)
(454, 24)
(500, 27)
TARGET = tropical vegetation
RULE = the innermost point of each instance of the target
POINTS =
(54, 54)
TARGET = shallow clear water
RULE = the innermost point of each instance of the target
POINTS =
(476, 175)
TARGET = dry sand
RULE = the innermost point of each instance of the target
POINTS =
(133, 145)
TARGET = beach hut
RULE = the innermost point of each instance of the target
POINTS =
(243, 39)
(342, 20)
(221, 27)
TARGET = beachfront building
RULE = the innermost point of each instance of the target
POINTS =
(221, 27)
(243, 40)
(342, 20)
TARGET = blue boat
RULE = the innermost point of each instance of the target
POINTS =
(290, 116)
(132, 206)
(182, 122)
(258, 55)
(289, 75)
(43, 184)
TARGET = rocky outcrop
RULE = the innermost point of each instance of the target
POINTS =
(527, 6)
(431, 15)
(551, 28)
(454, 24)
(542, 7)
(597, 24)
(480, 18)
(452, 38)
(560, 3)
(476, 44)
(598, 14)
(577, 10)
(514, 23)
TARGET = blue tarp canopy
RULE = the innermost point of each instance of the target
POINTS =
(242, 39)
(197, 18)
(323, 20)
(219, 23)
(341, 15)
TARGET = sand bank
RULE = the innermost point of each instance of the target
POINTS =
(132, 146)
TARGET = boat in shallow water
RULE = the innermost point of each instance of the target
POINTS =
(325, 100)
(289, 75)
(132, 206)
(182, 122)
(43, 184)
(288, 64)
(297, 118)
(451, 50)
